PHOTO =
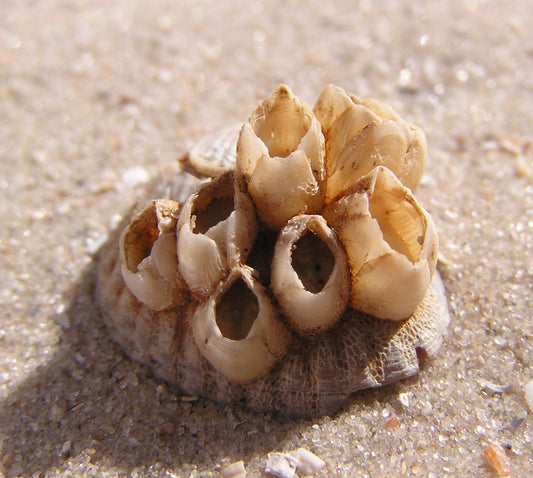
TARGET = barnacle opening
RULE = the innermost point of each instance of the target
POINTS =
(281, 123)
(139, 237)
(400, 222)
(213, 205)
(313, 261)
(143, 236)
(236, 311)
(212, 213)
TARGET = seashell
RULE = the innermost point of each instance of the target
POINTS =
(238, 329)
(280, 466)
(391, 244)
(280, 157)
(203, 292)
(307, 463)
(216, 228)
(363, 134)
(148, 253)
(310, 276)
(214, 154)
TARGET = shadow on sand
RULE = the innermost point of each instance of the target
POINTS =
(91, 407)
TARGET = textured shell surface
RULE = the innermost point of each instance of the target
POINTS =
(237, 288)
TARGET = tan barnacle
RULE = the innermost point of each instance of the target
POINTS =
(280, 156)
(238, 329)
(363, 134)
(310, 276)
(391, 243)
(216, 229)
(225, 333)
(148, 252)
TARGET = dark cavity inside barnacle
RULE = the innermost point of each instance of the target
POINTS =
(236, 311)
(313, 261)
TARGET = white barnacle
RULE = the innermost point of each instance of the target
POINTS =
(148, 252)
(363, 134)
(391, 244)
(216, 229)
(238, 329)
(280, 156)
(310, 276)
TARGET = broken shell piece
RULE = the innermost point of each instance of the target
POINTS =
(148, 252)
(391, 244)
(528, 394)
(497, 459)
(235, 470)
(216, 229)
(238, 329)
(307, 463)
(285, 465)
(363, 134)
(280, 466)
(310, 276)
(280, 156)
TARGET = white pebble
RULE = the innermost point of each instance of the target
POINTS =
(134, 176)
(528, 394)
(403, 398)
(235, 470)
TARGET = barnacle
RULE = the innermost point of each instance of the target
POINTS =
(310, 276)
(280, 156)
(391, 243)
(301, 272)
(215, 230)
(148, 251)
(363, 134)
(238, 328)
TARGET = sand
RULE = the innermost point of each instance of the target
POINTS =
(96, 97)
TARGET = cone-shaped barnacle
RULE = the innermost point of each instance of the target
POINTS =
(148, 254)
(280, 156)
(310, 276)
(363, 134)
(238, 329)
(216, 230)
(391, 244)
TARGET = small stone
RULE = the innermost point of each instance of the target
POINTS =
(524, 167)
(427, 410)
(189, 398)
(403, 398)
(391, 423)
(497, 459)
(65, 449)
(235, 470)
(135, 176)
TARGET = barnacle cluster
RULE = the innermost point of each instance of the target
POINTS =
(317, 218)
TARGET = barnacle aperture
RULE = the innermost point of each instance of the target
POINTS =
(304, 270)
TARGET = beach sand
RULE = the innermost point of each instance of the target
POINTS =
(96, 97)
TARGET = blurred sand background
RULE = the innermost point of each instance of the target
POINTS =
(97, 96)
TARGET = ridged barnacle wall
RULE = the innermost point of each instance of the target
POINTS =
(302, 272)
